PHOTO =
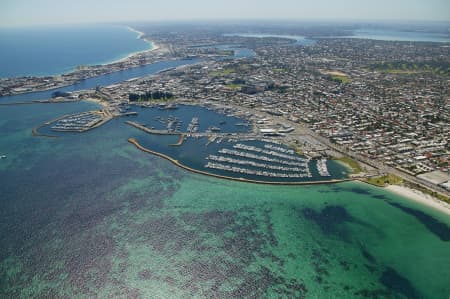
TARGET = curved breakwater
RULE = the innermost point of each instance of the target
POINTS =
(177, 163)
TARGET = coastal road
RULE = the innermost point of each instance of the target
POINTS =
(302, 130)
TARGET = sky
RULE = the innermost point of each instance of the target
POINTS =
(40, 12)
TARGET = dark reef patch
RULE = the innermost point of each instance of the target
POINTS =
(146, 274)
(241, 236)
(244, 239)
(83, 262)
(380, 196)
(399, 284)
(319, 263)
(345, 265)
(59, 227)
(329, 216)
(330, 188)
(85, 217)
(330, 220)
(438, 228)
(374, 294)
(361, 191)
(371, 269)
(165, 234)
(368, 256)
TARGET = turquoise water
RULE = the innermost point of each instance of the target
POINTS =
(88, 215)
(44, 51)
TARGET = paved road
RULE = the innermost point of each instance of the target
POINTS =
(301, 130)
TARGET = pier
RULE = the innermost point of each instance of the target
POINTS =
(151, 131)
(193, 134)
(180, 140)
(322, 167)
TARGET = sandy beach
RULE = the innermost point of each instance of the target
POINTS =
(140, 33)
(141, 36)
(420, 197)
(153, 47)
(97, 101)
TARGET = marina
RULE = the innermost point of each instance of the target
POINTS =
(234, 152)
(76, 123)
(244, 174)
(255, 164)
(268, 152)
(253, 172)
(248, 155)
(210, 140)
(203, 193)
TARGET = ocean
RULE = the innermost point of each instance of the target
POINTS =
(44, 51)
(90, 216)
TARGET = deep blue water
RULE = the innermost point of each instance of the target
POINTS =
(46, 51)
(90, 216)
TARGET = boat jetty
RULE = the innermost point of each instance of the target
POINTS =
(193, 125)
(269, 161)
(322, 167)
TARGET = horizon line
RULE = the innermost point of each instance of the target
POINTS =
(233, 20)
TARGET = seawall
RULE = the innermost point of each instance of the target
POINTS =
(177, 163)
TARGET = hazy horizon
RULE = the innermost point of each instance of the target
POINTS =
(17, 13)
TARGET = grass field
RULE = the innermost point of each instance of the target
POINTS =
(408, 68)
(223, 72)
(341, 79)
(384, 180)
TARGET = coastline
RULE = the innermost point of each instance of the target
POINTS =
(153, 47)
(97, 102)
(68, 70)
(420, 197)
(110, 64)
